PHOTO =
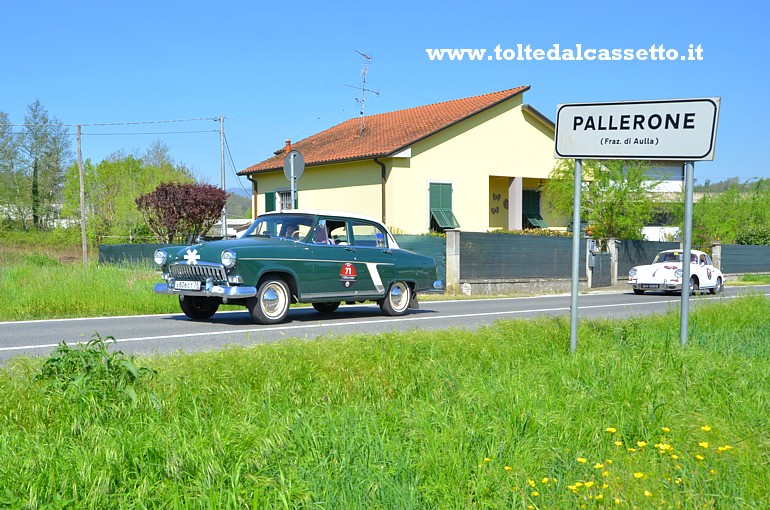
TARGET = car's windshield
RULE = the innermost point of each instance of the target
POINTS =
(672, 256)
(289, 226)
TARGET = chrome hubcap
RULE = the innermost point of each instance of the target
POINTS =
(398, 297)
(272, 300)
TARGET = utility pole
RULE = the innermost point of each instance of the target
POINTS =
(82, 202)
(222, 169)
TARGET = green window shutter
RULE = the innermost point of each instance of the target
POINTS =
(444, 218)
(440, 195)
(270, 201)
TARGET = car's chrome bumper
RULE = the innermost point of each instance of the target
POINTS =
(225, 292)
(667, 286)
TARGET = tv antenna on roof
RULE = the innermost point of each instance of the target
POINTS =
(363, 89)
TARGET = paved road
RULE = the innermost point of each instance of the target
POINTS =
(170, 333)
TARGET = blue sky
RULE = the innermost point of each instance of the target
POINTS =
(279, 70)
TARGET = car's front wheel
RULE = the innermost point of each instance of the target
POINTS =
(718, 288)
(396, 302)
(198, 308)
(271, 304)
(327, 307)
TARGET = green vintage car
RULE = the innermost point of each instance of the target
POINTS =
(318, 257)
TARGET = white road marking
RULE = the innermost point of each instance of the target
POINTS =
(357, 323)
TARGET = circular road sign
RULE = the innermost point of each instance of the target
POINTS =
(299, 165)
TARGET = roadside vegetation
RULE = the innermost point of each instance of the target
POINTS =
(503, 417)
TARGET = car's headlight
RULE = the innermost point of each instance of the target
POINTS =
(632, 273)
(678, 273)
(160, 257)
(228, 258)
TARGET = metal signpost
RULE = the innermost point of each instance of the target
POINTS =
(293, 167)
(669, 130)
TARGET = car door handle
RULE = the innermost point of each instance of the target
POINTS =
(387, 252)
(350, 248)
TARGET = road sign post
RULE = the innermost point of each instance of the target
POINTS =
(670, 130)
(293, 168)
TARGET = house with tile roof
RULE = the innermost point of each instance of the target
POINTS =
(474, 163)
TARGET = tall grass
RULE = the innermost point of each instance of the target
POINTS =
(503, 417)
(42, 287)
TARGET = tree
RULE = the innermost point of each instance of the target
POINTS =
(112, 187)
(739, 214)
(617, 198)
(45, 152)
(181, 211)
(9, 165)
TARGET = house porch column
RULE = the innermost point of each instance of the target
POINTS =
(515, 203)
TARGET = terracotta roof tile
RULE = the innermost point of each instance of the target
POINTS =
(384, 133)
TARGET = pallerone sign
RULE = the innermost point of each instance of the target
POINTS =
(673, 129)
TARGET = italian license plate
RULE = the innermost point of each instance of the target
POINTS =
(187, 285)
(650, 286)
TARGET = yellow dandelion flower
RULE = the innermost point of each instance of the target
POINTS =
(706, 428)
(632, 450)
(617, 501)
(535, 494)
(487, 459)
(508, 468)
(608, 461)
(665, 429)
(674, 456)
(724, 448)
(638, 474)
(611, 430)
(582, 460)
(641, 444)
(618, 443)
(599, 497)
(699, 457)
(648, 494)
(713, 471)
(573, 488)
(605, 473)
(598, 466)
(678, 466)
(604, 486)
(530, 507)
(703, 444)
(589, 485)
(678, 481)
(545, 480)
(531, 483)
(666, 447)
(578, 484)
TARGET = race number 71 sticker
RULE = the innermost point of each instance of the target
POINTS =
(348, 275)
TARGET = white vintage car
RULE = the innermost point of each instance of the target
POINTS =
(665, 274)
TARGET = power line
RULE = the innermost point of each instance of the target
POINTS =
(52, 124)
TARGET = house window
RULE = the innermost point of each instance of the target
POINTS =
(284, 199)
(441, 215)
(530, 209)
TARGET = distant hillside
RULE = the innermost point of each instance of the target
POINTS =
(238, 204)
(239, 192)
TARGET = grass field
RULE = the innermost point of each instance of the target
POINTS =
(504, 417)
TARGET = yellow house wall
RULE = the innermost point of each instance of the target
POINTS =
(503, 141)
(353, 186)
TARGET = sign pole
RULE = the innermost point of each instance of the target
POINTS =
(293, 180)
(293, 168)
(689, 170)
(573, 324)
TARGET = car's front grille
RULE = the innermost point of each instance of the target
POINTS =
(200, 271)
